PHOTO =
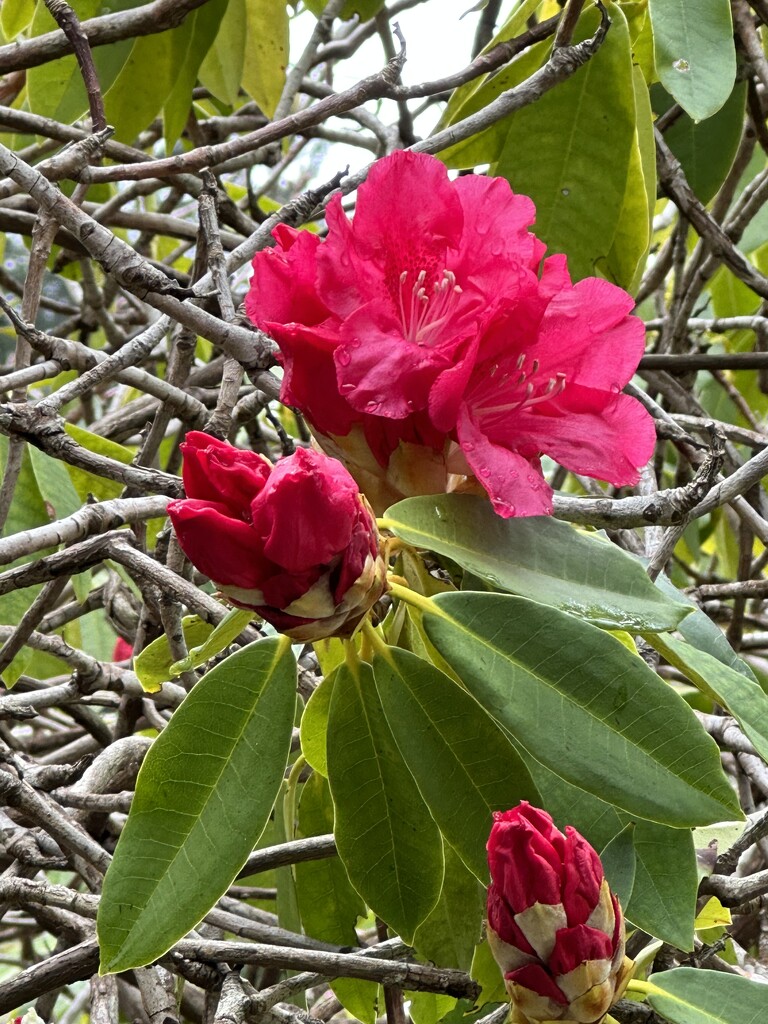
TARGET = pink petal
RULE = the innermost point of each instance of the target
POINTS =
(587, 334)
(575, 945)
(501, 918)
(216, 471)
(582, 877)
(598, 433)
(535, 978)
(283, 286)
(226, 550)
(515, 484)
(306, 512)
(524, 866)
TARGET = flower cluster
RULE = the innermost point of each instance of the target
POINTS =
(430, 345)
(555, 928)
(295, 542)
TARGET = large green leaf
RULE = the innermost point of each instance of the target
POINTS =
(695, 53)
(266, 52)
(328, 904)
(449, 935)
(222, 70)
(746, 700)
(14, 17)
(203, 797)
(386, 837)
(540, 558)
(463, 763)
(584, 706)
(570, 152)
(705, 149)
(663, 899)
(691, 996)
(56, 89)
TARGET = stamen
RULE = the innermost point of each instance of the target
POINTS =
(421, 314)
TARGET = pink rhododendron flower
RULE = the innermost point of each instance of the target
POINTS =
(427, 330)
(554, 926)
(295, 542)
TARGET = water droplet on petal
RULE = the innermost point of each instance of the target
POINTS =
(485, 471)
(681, 64)
(372, 407)
(343, 357)
(512, 475)
(347, 389)
(468, 447)
(355, 343)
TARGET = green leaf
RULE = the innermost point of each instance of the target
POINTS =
(364, 9)
(584, 706)
(153, 665)
(198, 30)
(449, 935)
(314, 725)
(538, 557)
(56, 89)
(691, 996)
(663, 900)
(695, 52)
(632, 240)
(328, 904)
(744, 699)
(230, 627)
(464, 765)
(385, 835)
(15, 16)
(203, 797)
(619, 863)
(89, 483)
(222, 70)
(570, 151)
(55, 484)
(487, 974)
(266, 52)
(705, 149)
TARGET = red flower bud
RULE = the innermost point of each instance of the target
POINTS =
(294, 542)
(555, 928)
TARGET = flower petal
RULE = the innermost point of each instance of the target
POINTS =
(226, 550)
(575, 945)
(515, 484)
(598, 433)
(582, 878)
(218, 472)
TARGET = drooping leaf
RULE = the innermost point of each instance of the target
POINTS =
(537, 557)
(705, 149)
(449, 935)
(463, 763)
(203, 797)
(570, 152)
(695, 52)
(222, 70)
(386, 837)
(620, 863)
(266, 52)
(314, 725)
(690, 996)
(14, 17)
(746, 700)
(584, 706)
(153, 665)
(328, 904)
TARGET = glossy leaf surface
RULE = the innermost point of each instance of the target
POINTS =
(203, 797)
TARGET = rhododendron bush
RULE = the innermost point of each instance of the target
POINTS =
(382, 624)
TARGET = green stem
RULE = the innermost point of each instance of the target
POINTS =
(289, 800)
(373, 638)
(411, 597)
(641, 988)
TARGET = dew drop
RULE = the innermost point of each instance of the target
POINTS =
(438, 512)
(355, 343)
(485, 471)
(343, 357)
(347, 389)
(468, 447)
(512, 475)
(565, 191)
(681, 64)
(372, 407)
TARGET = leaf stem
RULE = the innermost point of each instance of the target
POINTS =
(641, 988)
(289, 800)
(424, 604)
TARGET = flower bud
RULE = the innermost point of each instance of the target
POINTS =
(554, 927)
(295, 542)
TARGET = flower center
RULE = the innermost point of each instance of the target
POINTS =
(423, 314)
(527, 390)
